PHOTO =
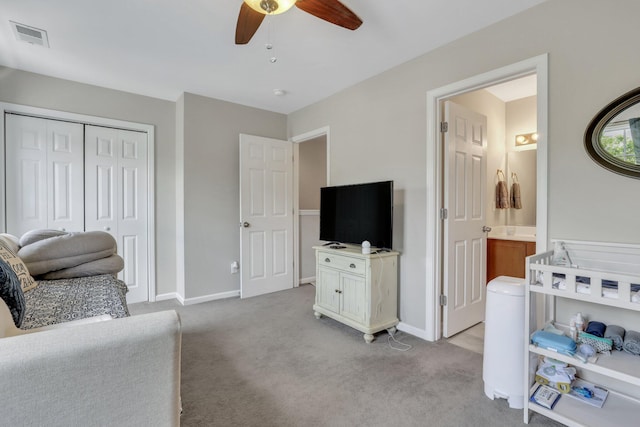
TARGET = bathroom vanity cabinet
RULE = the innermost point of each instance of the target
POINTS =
(507, 257)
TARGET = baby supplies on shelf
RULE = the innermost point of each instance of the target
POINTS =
(588, 393)
(554, 342)
(545, 396)
(555, 374)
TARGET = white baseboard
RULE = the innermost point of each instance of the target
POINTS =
(307, 280)
(207, 298)
(167, 296)
(416, 332)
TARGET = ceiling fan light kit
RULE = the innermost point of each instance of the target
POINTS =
(270, 7)
(252, 12)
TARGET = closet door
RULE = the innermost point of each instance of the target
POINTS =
(44, 174)
(116, 194)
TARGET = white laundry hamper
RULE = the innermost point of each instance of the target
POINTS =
(503, 364)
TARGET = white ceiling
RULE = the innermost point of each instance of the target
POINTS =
(162, 48)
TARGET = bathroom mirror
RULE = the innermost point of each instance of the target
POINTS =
(612, 138)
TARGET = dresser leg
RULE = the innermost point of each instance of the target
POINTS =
(318, 315)
(392, 330)
(368, 338)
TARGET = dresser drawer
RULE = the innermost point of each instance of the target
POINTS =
(341, 262)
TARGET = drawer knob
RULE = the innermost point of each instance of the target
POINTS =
(338, 291)
(352, 265)
(327, 260)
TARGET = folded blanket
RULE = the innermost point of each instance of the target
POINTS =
(67, 250)
(109, 265)
(616, 334)
(609, 288)
(632, 342)
(596, 328)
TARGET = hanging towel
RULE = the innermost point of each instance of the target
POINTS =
(516, 201)
(502, 195)
(616, 334)
(632, 342)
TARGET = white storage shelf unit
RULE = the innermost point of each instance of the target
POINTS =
(618, 372)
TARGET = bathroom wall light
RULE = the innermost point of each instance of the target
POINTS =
(526, 139)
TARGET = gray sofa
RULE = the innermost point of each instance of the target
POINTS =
(123, 372)
(77, 358)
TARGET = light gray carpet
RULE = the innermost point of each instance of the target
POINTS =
(266, 361)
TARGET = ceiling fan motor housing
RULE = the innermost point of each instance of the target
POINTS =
(269, 6)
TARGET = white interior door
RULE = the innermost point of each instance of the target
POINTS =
(116, 187)
(44, 174)
(464, 248)
(266, 215)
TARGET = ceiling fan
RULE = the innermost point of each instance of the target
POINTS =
(253, 12)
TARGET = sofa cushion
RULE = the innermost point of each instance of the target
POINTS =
(109, 265)
(26, 281)
(65, 251)
(58, 301)
(11, 292)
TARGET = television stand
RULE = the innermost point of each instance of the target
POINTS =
(358, 290)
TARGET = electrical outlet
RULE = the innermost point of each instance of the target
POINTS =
(235, 267)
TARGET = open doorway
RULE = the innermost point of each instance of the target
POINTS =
(311, 172)
(436, 179)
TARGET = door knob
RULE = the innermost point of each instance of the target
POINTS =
(246, 224)
(486, 229)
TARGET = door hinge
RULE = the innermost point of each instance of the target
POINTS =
(443, 300)
(443, 213)
(444, 127)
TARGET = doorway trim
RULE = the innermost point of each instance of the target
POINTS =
(297, 139)
(46, 113)
(537, 65)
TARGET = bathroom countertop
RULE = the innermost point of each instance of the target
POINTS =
(517, 233)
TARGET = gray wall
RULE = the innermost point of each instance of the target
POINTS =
(378, 127)
(313, 172)
(211, 188)
(196, 166)
(20, 87)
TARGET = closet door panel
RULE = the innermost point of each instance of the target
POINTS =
(26, 173)
(101, 179)
(132, 219)
(44, 166)
(65, 159)
(116, 178)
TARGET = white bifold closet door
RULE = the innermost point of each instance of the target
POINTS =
(75, 177)
(116, 198)
(44, 174)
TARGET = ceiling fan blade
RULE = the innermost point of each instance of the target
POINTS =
(248, 22)
(331, 11)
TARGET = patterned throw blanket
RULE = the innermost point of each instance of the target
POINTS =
(57, 301)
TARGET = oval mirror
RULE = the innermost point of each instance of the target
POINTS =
(612, 138)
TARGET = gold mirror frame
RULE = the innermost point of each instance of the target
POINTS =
(594, 133)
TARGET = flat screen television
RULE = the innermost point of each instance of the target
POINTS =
(359, 212)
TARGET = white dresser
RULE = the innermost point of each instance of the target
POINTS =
(358, 290)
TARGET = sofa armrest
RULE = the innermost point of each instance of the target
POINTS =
(85, 321)
(121, 372)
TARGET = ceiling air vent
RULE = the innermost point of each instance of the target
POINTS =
(25, 33)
